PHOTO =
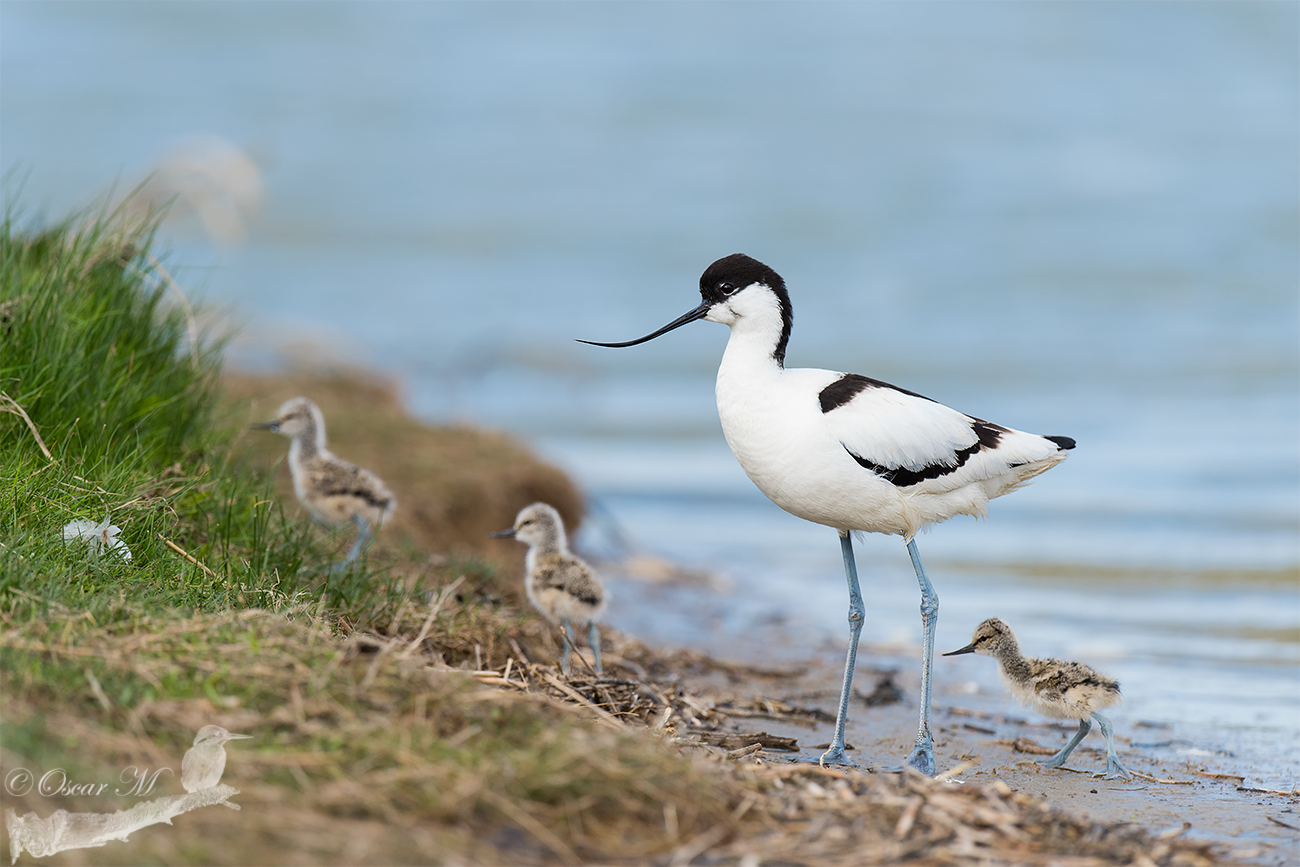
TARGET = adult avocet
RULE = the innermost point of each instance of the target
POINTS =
(850, 452)
(1053, 687)
(559, 583)
(331, 489)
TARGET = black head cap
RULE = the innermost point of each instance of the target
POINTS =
(732, 273)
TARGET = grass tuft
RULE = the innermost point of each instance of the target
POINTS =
(113, 412)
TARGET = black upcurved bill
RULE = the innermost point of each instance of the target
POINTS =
(697, 313)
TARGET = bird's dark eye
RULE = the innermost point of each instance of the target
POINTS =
(728, 288)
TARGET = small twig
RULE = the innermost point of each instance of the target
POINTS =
(8, 404)
(952, 772)
(742, 751)
(1294, 793)
(1025, 745)
(519, 652)
(1238, 778)
(179, 550)
(1064, 768)
(1151, 779)
(740, 740)
(604, 715)
(1283, 824)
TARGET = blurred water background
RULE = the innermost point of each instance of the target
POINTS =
(1077, 219)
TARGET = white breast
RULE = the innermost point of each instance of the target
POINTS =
(779, 435)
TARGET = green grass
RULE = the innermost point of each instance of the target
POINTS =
(100, 353)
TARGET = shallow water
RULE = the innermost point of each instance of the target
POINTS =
(1076, 219)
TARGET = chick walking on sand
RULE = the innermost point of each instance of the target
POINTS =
(331, 489)
(560, 585)
(1053, 687)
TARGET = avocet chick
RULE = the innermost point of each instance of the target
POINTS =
(333, 490)
(205, 762)
(1053, 687)
(559, 584)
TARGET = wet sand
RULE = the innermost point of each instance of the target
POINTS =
(978, 730)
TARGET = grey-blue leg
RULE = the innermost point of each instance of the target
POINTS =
(1059, 759)
(363, 536)
(593, 638)
(836, 755)
(1114, 769)
(922, 755)
(568, 643)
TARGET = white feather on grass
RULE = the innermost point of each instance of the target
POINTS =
(100, 537)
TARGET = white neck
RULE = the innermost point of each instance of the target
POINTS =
(747, 359)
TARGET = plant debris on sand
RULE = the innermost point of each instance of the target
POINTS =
(372, 746)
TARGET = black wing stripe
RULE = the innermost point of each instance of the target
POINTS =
(361, 494)
(847, 387)
(989, 435)
(586, 596)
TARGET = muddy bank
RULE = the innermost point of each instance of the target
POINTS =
(454, 485)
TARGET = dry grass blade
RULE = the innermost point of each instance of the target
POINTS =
(1151, 779)
(9, 405)
(179, 550)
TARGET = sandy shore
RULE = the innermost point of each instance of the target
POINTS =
(982, 734)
